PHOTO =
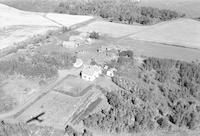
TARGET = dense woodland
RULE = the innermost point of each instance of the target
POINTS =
(122, 11)
(39, 65)
(164, 94)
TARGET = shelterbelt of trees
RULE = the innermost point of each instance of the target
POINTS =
(39, 65)
(122, 11)
(161, 94)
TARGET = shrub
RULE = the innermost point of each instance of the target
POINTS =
(94, 35)
(127, 53)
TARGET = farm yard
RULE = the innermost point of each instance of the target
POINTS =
(54, 105)
(93, 72)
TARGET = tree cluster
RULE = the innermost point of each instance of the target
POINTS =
(122, 11)
(170, 99)
(183, 98)
(39, 65)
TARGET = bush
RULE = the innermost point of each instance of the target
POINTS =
(94, 35)
(127, 53)
(39, 65)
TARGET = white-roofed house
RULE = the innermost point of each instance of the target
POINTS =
(91, 72)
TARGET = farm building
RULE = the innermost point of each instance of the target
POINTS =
(76, 39)
(78, 63)
(69, 44)
(91, 72)
(111, 72)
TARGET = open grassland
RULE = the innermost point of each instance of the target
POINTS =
(163, 40)
(189, 7)
(16, 34)
(32, 5)
(12, 128)
(57, 107)
(17, 25)
(112, 29)
(152, 49)
(181, 32)
(60, 108)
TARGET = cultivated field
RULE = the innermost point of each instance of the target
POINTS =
(113, 29)
(164, 40)
(189, 7)
(33, 5)
(17, 25)
(186, 34)
(152, 49)
(181, 32)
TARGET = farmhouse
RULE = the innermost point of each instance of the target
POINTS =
(91, 72)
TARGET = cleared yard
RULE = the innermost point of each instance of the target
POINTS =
(57, 107)
(21, 90)
(72, 85)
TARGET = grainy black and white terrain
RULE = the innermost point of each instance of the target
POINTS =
(99, 68)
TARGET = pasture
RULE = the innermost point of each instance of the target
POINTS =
(163, 40)
(182, 32)
(189, 7)
(22, 91)
(60, 108)
(57, 107)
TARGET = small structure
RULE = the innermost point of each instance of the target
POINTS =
(91, 72)
(84, 35)
(78, 63)
(69, 44)
(105, 67)
(76, 39)
(111, 72)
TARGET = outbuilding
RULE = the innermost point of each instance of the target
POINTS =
(69, 44)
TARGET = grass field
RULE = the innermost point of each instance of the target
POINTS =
(60, 108)
(33, 5)
(57, 108)
(186, 34)
(181, 32)
(17, 25)
(189, 7)
(164, 40)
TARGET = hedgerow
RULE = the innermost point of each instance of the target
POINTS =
(122, 11)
